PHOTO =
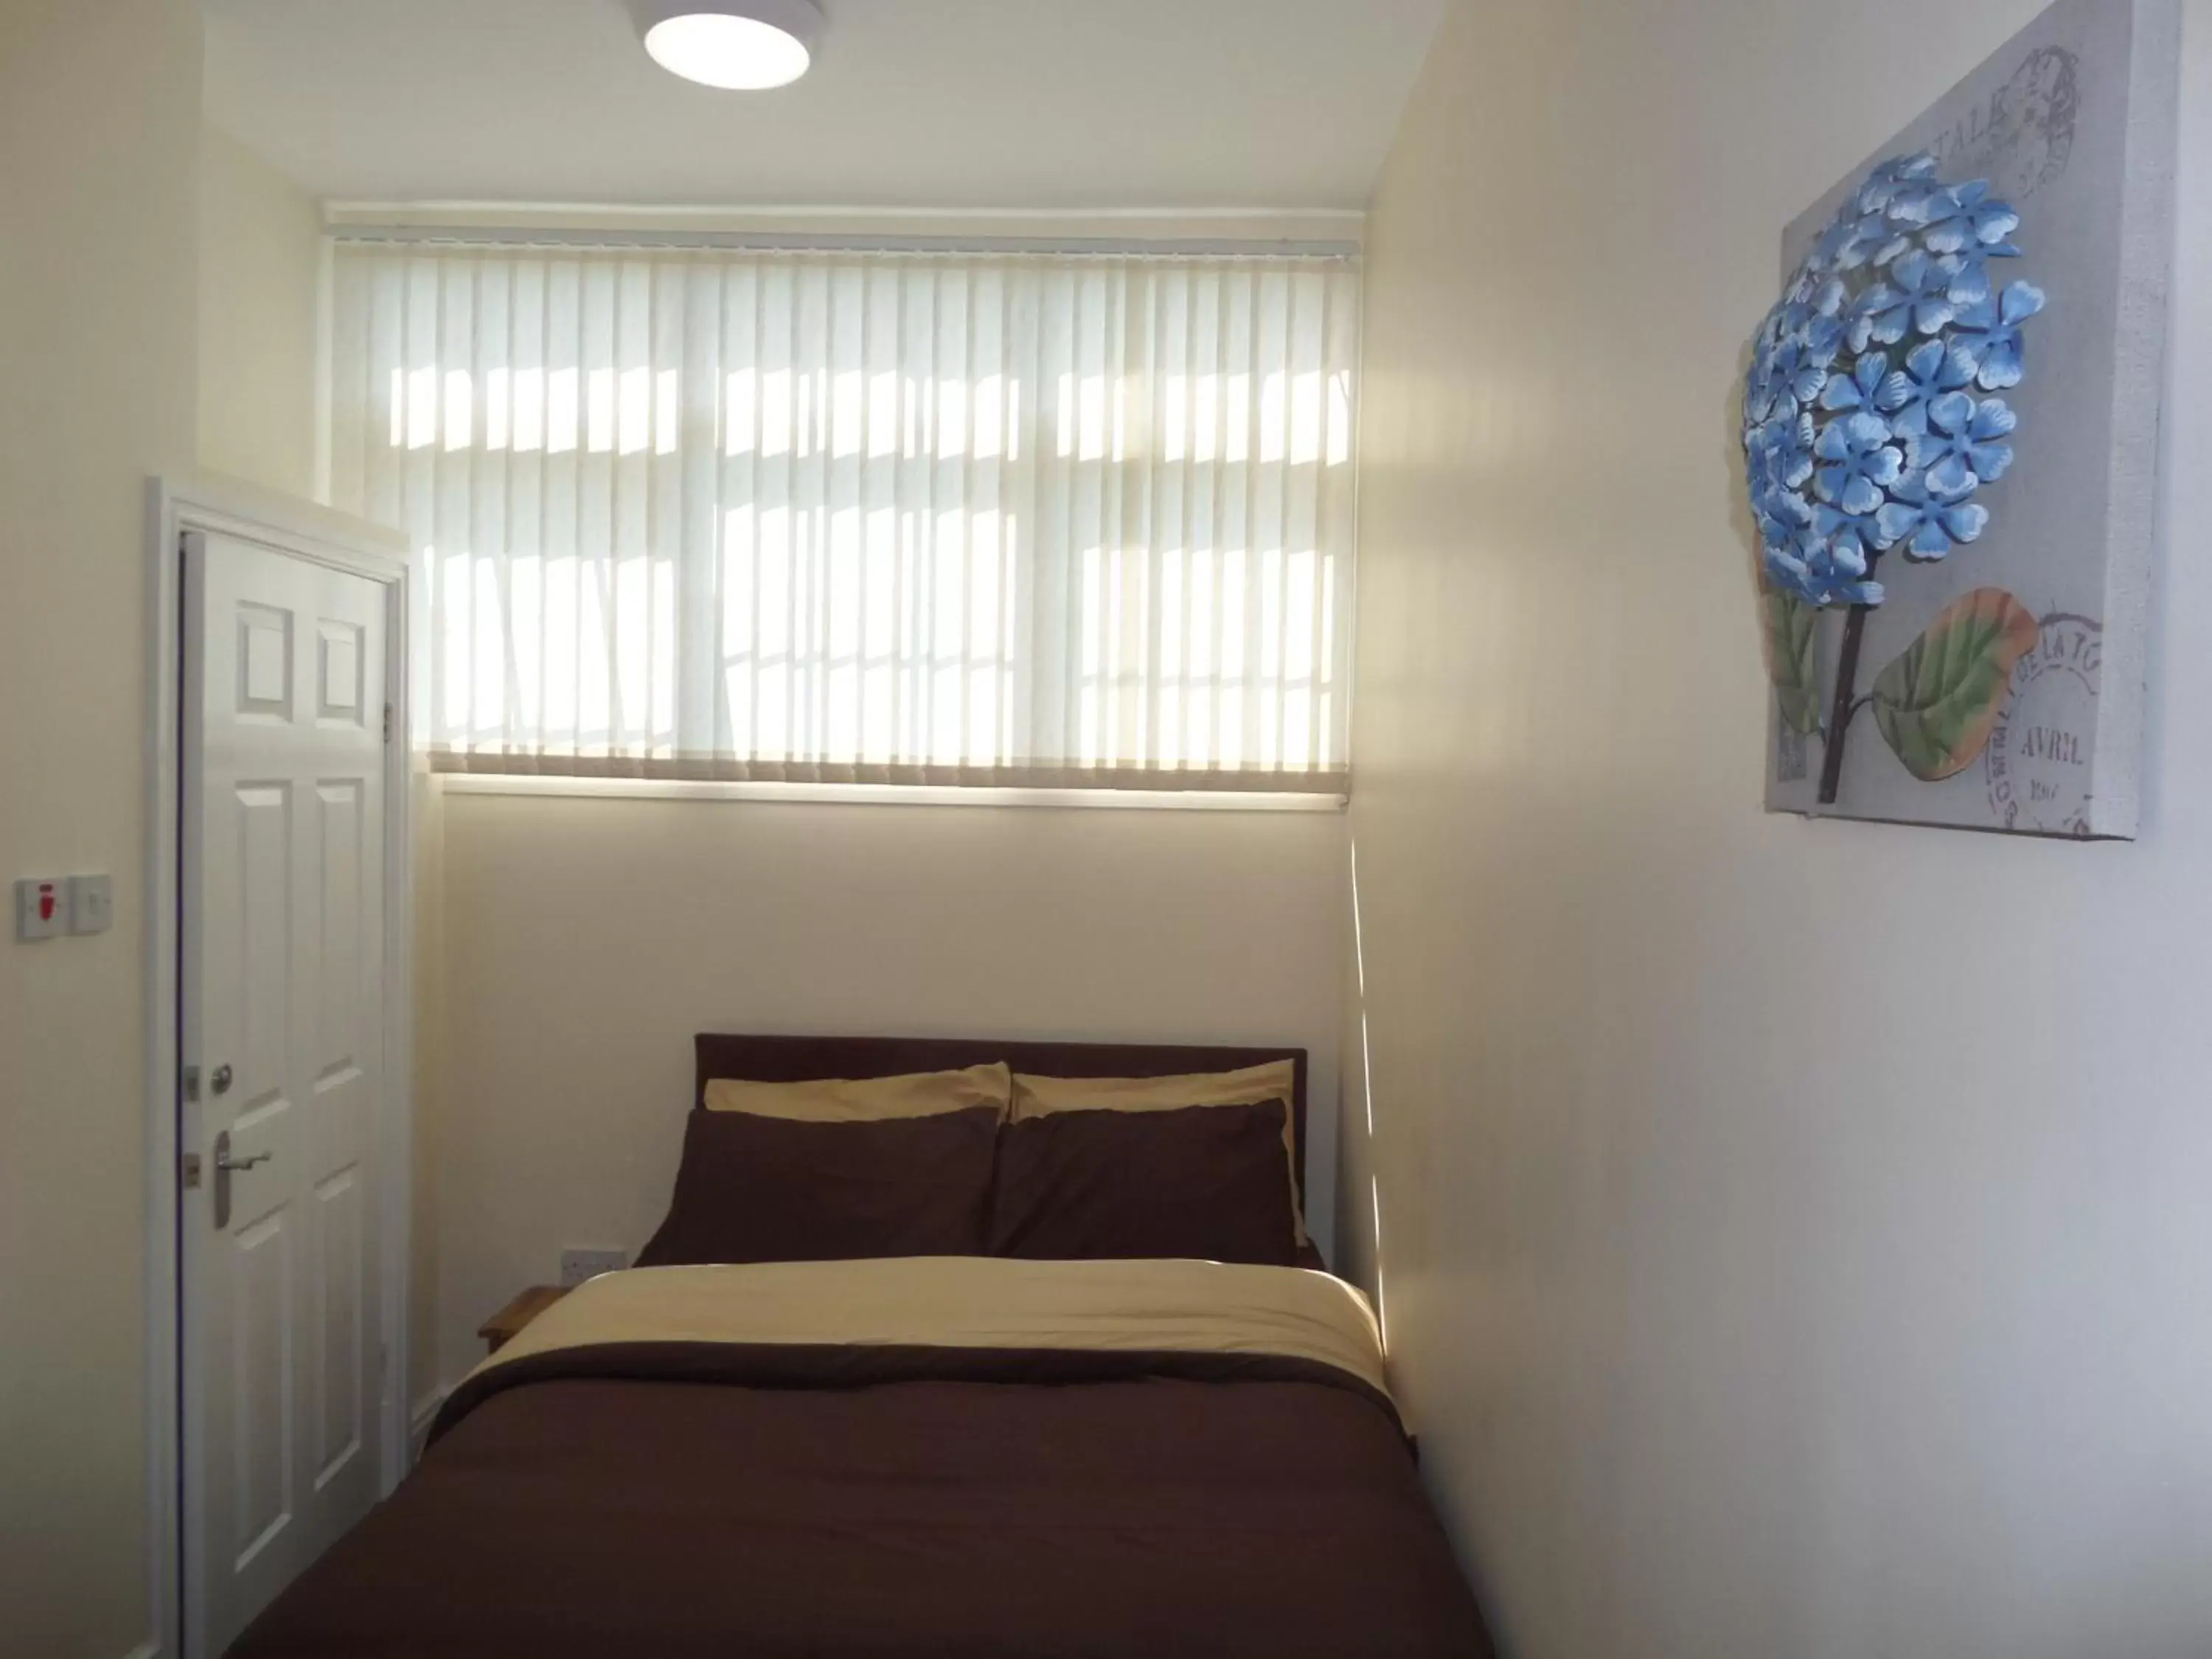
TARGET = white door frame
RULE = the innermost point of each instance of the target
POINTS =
(299, 530)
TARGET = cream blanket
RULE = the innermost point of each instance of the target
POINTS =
(975, 1302)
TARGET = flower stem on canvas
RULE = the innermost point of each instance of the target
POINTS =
(1845, 705)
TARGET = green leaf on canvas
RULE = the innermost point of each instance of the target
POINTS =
(1792, 631)
(1938, 703)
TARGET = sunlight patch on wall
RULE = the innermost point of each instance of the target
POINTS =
(1367, 1090)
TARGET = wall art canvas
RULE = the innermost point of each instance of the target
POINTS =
(1951, 435)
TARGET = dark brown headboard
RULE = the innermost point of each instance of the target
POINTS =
(798, 1059)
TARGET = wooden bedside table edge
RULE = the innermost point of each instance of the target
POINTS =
(509, 1321)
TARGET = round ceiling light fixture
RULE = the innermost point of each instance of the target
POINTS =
(739, 46)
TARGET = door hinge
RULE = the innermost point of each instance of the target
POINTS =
(190, 1163)
(387, 724)
(191, 1084)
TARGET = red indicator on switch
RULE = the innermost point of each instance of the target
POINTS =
(40, 907)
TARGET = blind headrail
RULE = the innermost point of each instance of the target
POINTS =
(467, 238)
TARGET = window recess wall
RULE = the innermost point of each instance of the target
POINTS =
(1000, 516)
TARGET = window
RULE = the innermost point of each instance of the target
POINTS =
(867, 517)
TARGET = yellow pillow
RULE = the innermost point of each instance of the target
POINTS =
(866, 1100)
(1035, 1096)
(1040, 1097)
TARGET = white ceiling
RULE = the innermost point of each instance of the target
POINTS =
(1043, 104)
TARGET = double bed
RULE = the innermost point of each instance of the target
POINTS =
(973, 1455)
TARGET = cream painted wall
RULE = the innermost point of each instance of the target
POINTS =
(100, 123)
(588, 940)
(260, 249)
(1795, 1237)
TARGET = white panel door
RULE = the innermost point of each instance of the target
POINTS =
(283, 1018)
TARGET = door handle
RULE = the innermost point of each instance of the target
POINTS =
(225, 1166)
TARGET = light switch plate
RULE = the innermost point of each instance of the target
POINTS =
(91, 904)
(41, 906)
(577, 1266)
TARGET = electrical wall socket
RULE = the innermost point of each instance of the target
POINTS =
(577, 1266)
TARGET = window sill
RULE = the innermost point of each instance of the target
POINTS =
(861, 794)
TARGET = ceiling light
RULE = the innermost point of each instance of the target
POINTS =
(741, 46)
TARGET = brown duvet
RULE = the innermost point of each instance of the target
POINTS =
(682, 1498)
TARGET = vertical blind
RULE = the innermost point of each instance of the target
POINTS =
(869, 518)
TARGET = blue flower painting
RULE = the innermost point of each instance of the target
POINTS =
(1889, 321)
(1871, 423)
(1952, 427)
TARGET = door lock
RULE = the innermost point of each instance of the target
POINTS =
(225, 1167)
(223, 1080)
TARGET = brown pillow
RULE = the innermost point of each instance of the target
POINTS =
(771, 1189)
(1035, 1097)
(1209, 1184)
